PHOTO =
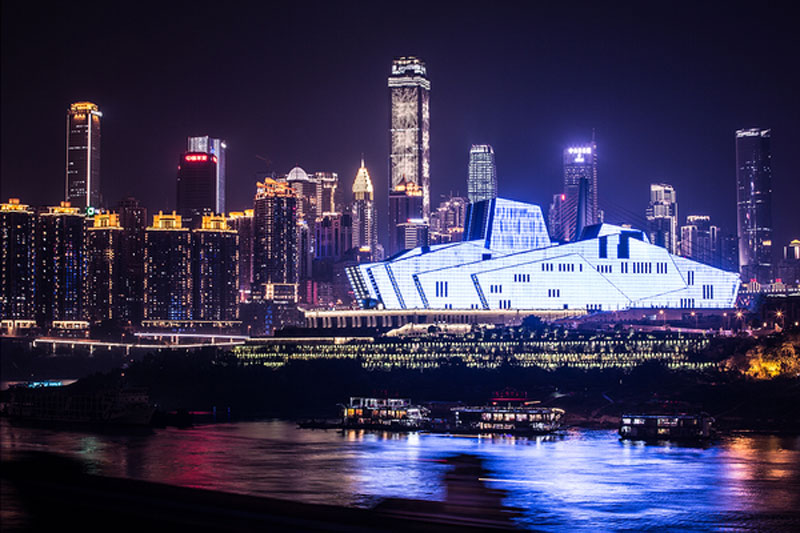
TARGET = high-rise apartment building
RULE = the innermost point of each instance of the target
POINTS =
(701, 241)
(365, 220)
(83, 155)
(482, 175)
(275, 242)
(17, 267)
(577, 207)
(662, 217)
(168, 290)
(60, 266)
(242, 223)
(196, 195)
(409, 159)
(754, 203)
(217, 148)
(447, 221)
(215, 265)
(105, 268)
(329, 197)
(133, 219)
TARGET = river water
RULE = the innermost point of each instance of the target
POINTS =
(581, 480)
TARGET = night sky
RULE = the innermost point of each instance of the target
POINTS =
(665, 85)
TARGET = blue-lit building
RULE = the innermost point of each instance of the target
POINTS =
(507, 261)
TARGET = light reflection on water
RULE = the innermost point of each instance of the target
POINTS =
(583, 479)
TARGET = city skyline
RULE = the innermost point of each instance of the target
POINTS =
(530, 133)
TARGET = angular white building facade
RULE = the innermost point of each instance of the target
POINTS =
(507, 261)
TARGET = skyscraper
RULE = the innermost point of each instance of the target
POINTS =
(242, 222)
(482, 179)
(168, 270)
(133, 219)
(217, 148)
(275, 242)
(754, 203)
(17, 254)
(105, 268)
(83, 155)
(196, 187)
(662, 217)
(447, 221)
(60, 266)
(365, 221)
(580, 194)
(215, 261)
(409, 160)
(701, 241)
(405, 203)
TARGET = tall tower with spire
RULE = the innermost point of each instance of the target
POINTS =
(365, 221)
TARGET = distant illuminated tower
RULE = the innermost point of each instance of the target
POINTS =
(482, 179)
(365, 221)
(60, 265)
(217, 148)
(754, 203)
(215, 261)
(662, 217)
(168, 269)
(447, 221)
(329, 195)
(275, 242)
(407, 229)
(579, 197)
(410, 159)
(196, 187)
(83, 155)
(104, 248)
(701, 241)
(17, 267)
(242, 222)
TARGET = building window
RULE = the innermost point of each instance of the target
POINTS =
(603, 251)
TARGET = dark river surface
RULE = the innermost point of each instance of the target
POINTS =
(580, 480)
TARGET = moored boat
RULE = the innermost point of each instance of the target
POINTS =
(509, 413)
(667, 427)
(397, 414)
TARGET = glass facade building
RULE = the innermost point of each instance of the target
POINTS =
(168, 270)
(482, 175)
(507, 261)
(754, 203)
(217, 148)
(275, 275)
(196, 187)
(83, 155)
(17, 255)
(577, 207)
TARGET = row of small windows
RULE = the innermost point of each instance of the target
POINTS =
(567, 267)
(547, 267)
(687, 303)
(504, 304)
(495, 289)
(642, 268)
(690, 277)
(441, 289)
(661, 268)
(522, 277)
(604, 269)
(708, 292)
(594, 307)
(553, 293)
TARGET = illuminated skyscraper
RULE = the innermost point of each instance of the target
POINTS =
(329, 196)
(217, 148)
(104, 249)
(168, 270)
(60, 265)
(196, 187)
(482, 179)
(662, 217)
(701, 241)
(407, 229)
(17, 267)
(754, 203)
(215, 260)
(409, 160)
(242, 222)
(365, 221)
(275, 242)
(83, 155)
(447, 221)
(577, 207)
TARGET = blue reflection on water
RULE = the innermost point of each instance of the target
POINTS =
(580, 480)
